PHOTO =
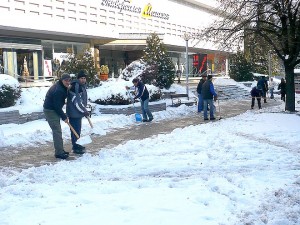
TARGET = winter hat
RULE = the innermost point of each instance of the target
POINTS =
(209, 77)
(65, 76)
(204, 75)
(135, 80)
(81, 73)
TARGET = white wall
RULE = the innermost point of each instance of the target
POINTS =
(90, 18)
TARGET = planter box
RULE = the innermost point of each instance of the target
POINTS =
(156, 107)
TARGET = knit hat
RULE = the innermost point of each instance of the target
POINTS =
(81, 73)
(135, 80)
(209, 76)
(65, 76)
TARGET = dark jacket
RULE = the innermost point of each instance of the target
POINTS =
(55, 99)
(282, 87)
(208, 90)
(142, 91)
(199, 87)
(262, 84)
(255, 92)
(77, 100)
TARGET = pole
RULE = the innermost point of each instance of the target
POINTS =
(187, 66)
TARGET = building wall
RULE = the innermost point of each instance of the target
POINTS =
(97, 23)
(101, 18)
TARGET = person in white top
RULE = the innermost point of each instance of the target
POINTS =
(271, 88)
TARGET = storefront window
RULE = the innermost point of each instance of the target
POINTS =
(48, 50)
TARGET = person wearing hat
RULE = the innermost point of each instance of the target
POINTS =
(76, 108)
(143, 95)
(53, 104)
(199, 90)
(208, 94)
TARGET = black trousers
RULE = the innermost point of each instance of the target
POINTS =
(258, 102)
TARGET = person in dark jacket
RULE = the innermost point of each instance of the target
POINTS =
(53, 104)
(262, 85)
(282, 88)
(143, 94)
(76, 108)
(208, 94)
(256, 94)
(199, 89)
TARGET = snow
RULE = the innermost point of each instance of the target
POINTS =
(241, 170)
(9, 81)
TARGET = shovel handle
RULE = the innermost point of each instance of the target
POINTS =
(90, 122)
(73, 130)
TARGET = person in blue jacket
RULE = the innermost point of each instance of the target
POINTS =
(262, 85)
(53, 104)
(209, 95)
(76, 108)
(143, 94)
(256, 94)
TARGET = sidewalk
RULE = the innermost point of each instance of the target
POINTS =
(44, 154)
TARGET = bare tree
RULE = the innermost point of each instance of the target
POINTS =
(276, 21)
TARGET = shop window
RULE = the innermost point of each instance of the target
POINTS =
(24, 62)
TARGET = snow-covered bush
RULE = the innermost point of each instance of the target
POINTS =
(10, 91)
(114, 92)
(133, 70)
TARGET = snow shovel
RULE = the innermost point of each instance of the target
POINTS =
(138, 117)
(90, 122)
(219, 110)
(80, 140)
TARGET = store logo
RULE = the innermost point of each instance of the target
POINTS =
(148, 13)
(125, 5)
(121, 5)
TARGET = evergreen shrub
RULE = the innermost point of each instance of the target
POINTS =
(9, 95)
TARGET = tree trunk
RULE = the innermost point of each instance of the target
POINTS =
(290, 88)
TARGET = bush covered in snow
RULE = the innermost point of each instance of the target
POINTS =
(113, 92)
(10, 91)
(133, 70)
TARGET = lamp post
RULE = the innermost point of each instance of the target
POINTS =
(187, 37)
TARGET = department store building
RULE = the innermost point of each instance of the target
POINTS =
(41, 33)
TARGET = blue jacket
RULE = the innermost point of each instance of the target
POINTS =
(55, 99)
(142, 91)
(262, 84)
(77, 100)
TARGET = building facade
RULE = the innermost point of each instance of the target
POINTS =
(36, 36)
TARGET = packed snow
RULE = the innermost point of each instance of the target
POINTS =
(241, 170)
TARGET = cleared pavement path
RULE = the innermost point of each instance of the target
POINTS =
(44, 154)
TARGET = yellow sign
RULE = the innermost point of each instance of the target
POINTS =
(147, 11)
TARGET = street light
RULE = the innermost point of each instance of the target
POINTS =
(187, 37)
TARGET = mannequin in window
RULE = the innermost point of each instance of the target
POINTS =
(25, 72)
(178, 72)
(182, 68)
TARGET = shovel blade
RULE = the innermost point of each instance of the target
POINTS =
(138, 117)
(84, 140)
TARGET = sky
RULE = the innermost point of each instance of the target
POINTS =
(240, 170)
